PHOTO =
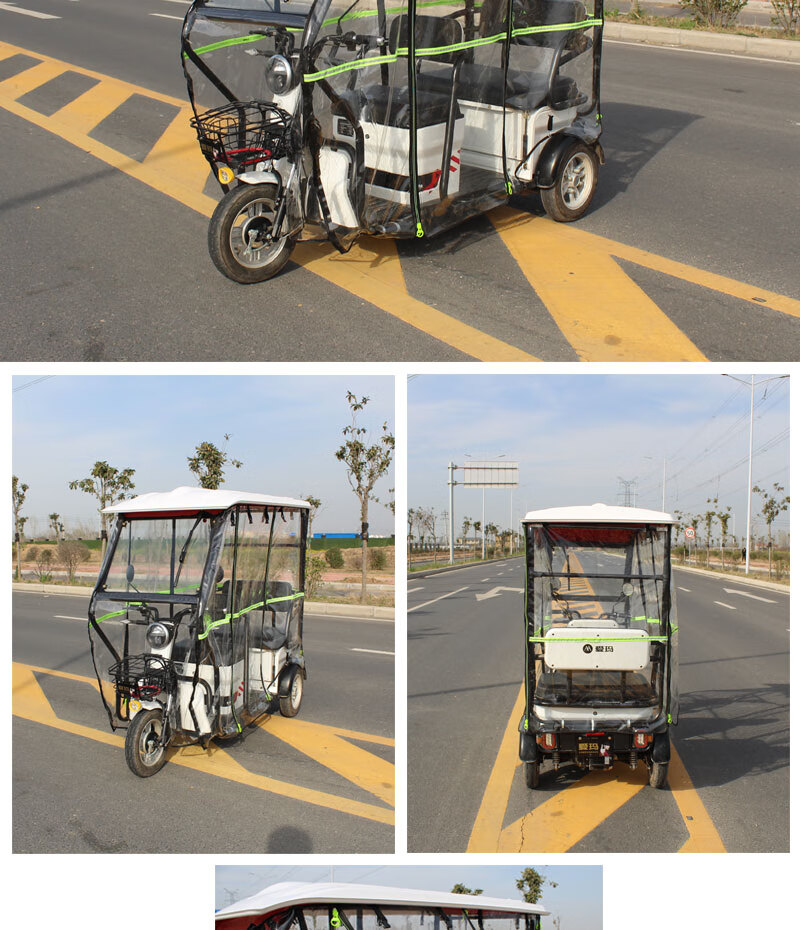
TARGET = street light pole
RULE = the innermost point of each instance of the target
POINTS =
(749, 477)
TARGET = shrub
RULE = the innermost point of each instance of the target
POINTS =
(31, 554)
(314, 568)
(377, 559)
(787, 15)
(71, 554)
(334, 558)
(44, 561)
(715, 12)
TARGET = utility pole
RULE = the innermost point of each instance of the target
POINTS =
(451, 481)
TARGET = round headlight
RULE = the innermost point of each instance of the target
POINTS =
(280, 75)
(157, 635)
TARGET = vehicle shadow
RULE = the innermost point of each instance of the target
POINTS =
(289, 840)
(709, 740)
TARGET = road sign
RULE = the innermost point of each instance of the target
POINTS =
(491, 475)
(689, 532)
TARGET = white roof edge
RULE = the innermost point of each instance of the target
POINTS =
(598, 513)
(289, 894)
(192, 499)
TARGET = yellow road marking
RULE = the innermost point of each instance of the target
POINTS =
(33, 77)
(603, 314)
(83, 113)
(176, 152)
(30, 702)
(703, 835)
(363, 768)
(562, 820)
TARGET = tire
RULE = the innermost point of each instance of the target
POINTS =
(575, 181)
(143, 755)
(243, 210)
(531, 774)
(658, 774)
(290, 704)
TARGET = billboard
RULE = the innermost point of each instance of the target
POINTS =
(491, 475)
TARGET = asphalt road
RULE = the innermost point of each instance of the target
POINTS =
(320, 782)
(100, 266)
(465, 662)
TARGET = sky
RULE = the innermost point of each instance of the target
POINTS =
(285, 429)
(577, 899)
(576, 435)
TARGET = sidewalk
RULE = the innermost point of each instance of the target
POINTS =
(755, 13)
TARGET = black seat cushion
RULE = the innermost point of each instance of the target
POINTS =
(379, 103)
(484, 84)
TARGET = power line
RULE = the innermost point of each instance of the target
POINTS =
(22, 387)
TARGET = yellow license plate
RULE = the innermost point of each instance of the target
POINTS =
(588, 747)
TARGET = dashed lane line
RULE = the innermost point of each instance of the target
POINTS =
(13, 8)
(441, 597)
(723, 604)
(324, 744)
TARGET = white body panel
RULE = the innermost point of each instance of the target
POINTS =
(335, 167)
(568, 715)
(198, 703)
(264, 667)
(386, 149)
(598, 513)
(193, 499)
(576, 649)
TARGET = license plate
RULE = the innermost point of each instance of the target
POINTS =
(589, 746)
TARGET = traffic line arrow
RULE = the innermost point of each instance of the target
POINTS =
(755, 597)
(495, 592)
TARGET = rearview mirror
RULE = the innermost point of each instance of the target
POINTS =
(130, 571)
(627, 589)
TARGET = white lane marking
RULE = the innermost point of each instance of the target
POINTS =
(167, 16)
(64, 617)
(687, 590)
(495, 592)
(441, 596)
(484, 579)
(721, 604)
(378, 652)
(755, 597)
(13, 8)
(412, 590)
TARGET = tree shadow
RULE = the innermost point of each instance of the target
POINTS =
(289, 840)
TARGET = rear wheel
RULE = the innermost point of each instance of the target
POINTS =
(143, 750)
(575, 181)
(290, 704)
(531, 774)
(239, 235)
(658, 774)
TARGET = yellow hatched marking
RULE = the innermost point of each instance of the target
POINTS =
(83, 113)
(603, 314)
(33, 77)
(359, 766)
(176, 152)
(703, 835)
(372, 271)
(30, 703)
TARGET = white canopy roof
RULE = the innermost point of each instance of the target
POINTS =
(194, 499)
(287, 894)
(598, 513)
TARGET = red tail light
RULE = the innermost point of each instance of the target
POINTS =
(546, 740)
(642, 740)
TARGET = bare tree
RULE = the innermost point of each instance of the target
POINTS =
(18, 492)
(366, 464)
(71, 554)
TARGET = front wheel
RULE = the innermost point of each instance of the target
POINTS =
(290, 704)
(239, 235)
(575, 181)
(143, 750)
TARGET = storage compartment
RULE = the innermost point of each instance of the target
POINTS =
(575, 649)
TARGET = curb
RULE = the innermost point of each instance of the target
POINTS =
(738, 579)
(743, 46)
(312, 607)
(455, 568)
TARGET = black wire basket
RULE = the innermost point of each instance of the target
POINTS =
(239, 134)
(143, 676)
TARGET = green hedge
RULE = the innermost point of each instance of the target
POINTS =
(319, 544)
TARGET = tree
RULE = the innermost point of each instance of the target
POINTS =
(708, 518)
(773, 505)
(715, 12)
(314, 503)
(44, 562)
(531, 883)
(458, 888)
(56, 525)
(723, 516)
(208, 463)
(70, 554)
(18, 492)
(108, 485)
(476, 525)
(366, 464)
(787, 15)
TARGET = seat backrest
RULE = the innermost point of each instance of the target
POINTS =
(431, 32)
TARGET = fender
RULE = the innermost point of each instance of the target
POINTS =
(285, 679)
(260, 177)
(527, 748)
(661, 747)
(147, 705)
(550, 159)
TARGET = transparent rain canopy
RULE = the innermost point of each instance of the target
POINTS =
(606, 593)
(438, 108)
(230, 589)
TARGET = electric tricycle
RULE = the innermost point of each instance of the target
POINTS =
(326, 119)
(196, 621)
(601, 640)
